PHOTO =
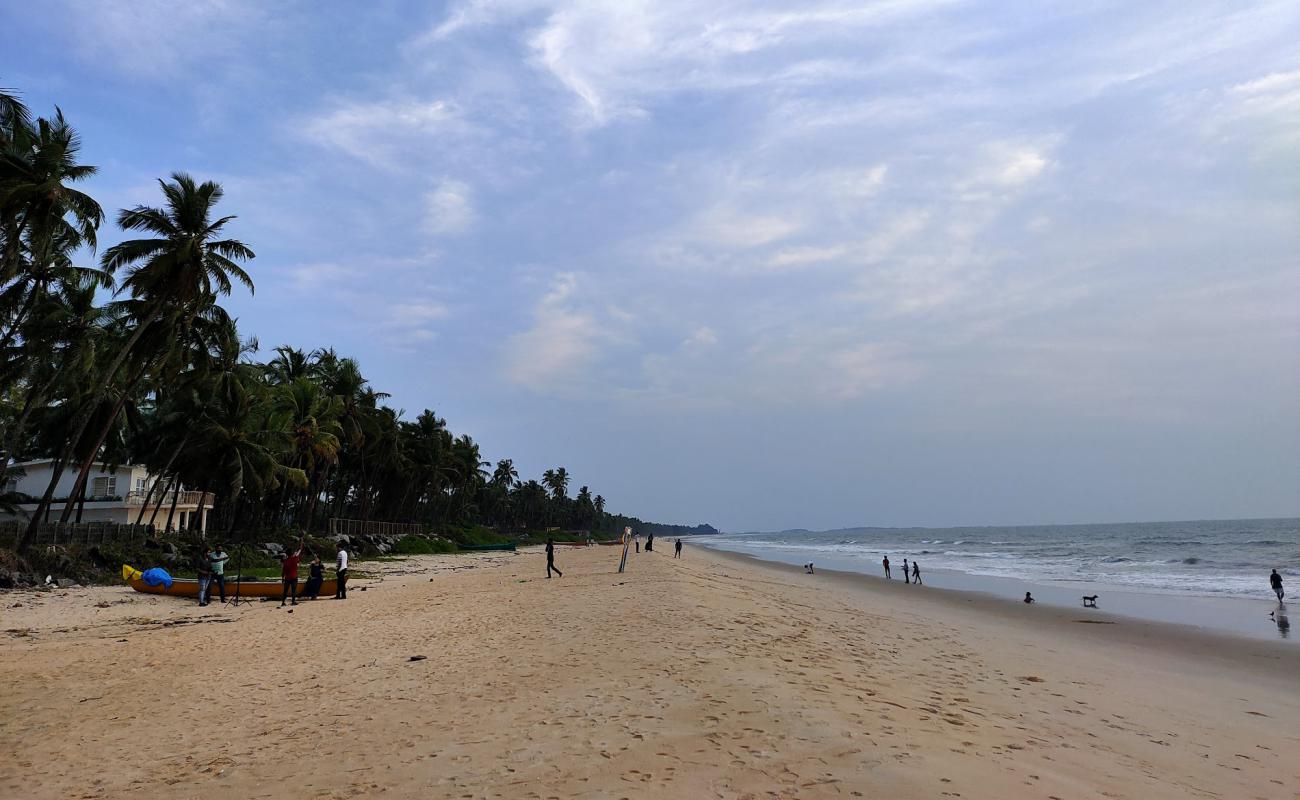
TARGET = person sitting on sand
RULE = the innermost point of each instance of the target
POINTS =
(1029, 598)
(1275, 581)
(916, 573)
(677, 549)
(289, 574)
(885, 563)
(550, 559)
(906, 579)
(203, 567)
(341, 573)
(317, 578)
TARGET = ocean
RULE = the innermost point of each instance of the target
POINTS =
(1214, 558)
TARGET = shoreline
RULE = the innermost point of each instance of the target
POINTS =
(713, 675)
(1240, 618)
(1195, 645)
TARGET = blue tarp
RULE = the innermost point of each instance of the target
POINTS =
(157, 577)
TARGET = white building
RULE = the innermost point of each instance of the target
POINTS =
(112, 495)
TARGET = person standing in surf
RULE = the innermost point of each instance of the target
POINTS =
(1275, 581)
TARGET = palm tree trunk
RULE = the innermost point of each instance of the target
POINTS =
(84, 474)
(176, 496)
(171, 482)
(165, 470)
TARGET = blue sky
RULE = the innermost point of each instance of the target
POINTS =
(766, 265)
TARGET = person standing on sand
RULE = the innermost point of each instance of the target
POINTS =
(916, 573)
(203, 568)
(636, 540)
(885, 563)
(1275, 581)
(677, 549)
(550, 559)
(650, 543)
(289, 575)
(217, 559)
(341, 573)
(906, 579)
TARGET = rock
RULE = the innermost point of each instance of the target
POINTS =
(68, 583)
(274, 548)
(7, 579)
(384, 548)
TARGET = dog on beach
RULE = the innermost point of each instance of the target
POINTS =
(1090, 601)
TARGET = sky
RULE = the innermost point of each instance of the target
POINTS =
(759, 264)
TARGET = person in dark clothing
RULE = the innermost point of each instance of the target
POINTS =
(885, 563)
(677, 549)
(906, 579)
(289, 574)
(650, 543)
(916, 573)
(1029, 598)
(312, 589)
(1275, 581)
(203, 567)
(550, 558)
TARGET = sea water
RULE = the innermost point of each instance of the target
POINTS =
(1208, 558)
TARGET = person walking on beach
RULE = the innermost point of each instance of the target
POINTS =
(916, 573)
(341, 573)
(906, 579)
(289, 574)
(1275, 581)
(217, 559)
(550, 559)
(885, 562)
(636, 540)
(203, 567)
(677, 549)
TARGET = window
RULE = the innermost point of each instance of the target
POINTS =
(139, 485)
(105, 487)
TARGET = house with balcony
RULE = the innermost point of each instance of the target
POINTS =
(113, 494)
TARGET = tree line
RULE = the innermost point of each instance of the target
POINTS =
(134, 360)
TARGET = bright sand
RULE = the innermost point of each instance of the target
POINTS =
(712, 676)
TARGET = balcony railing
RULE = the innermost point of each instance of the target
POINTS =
(165, 499)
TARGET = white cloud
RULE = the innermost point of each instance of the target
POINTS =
(374, 132)
(703, 336)
(555, 353)
(449, 208)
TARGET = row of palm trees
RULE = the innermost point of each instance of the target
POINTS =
(134, 360)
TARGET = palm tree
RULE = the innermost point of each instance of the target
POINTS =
(171, 277)
(38, 209)
(505, 473)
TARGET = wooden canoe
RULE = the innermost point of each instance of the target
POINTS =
(190, 588)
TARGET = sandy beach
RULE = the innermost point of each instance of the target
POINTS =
(709, 676)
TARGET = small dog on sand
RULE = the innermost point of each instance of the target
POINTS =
(1090, 601)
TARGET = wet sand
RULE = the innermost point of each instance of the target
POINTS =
(712, 676)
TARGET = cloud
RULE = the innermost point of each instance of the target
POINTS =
(374, 132)
(556, 352)
(449, 208)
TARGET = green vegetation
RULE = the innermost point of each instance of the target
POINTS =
(135, 361)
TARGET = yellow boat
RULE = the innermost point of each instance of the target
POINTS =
(248, 588)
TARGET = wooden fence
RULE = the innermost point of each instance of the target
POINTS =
(50, 533)
(361, 527)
